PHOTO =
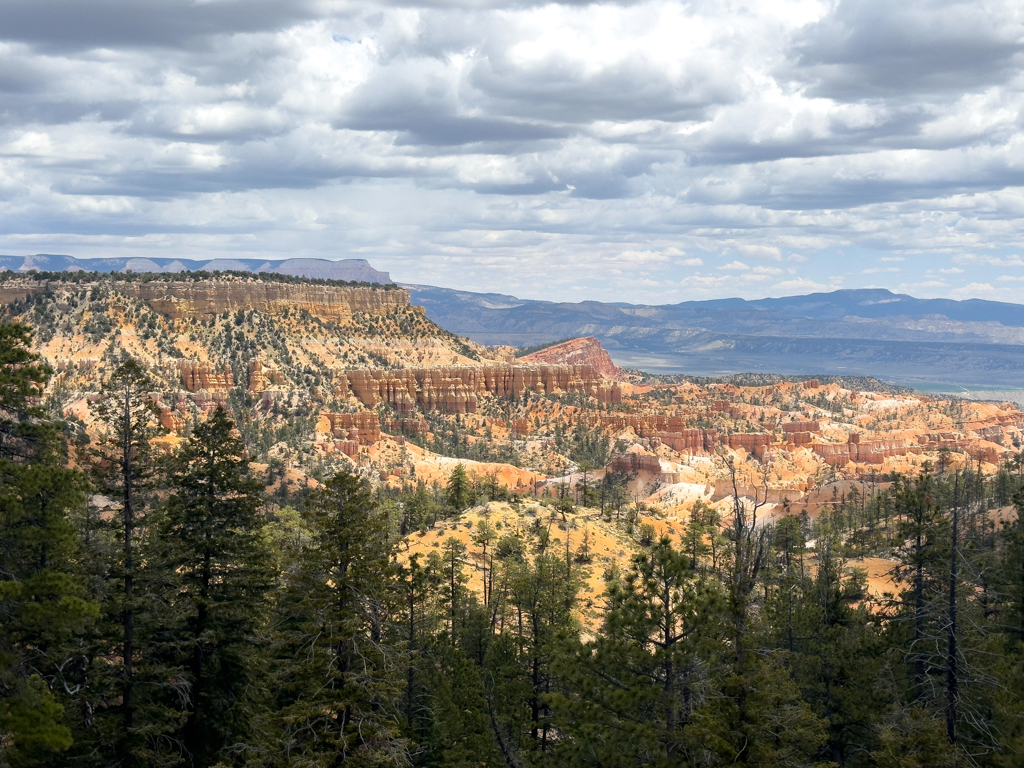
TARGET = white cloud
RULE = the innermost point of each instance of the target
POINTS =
(473, 143)
(799, 285)
(768, 252)
(995, 261)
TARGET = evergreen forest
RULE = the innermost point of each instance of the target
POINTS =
(157, 611)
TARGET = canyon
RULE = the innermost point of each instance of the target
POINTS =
(323, 375)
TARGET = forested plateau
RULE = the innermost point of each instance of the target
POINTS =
(258, 520)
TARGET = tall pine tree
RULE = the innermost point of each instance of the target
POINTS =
(222, 569)
(340, 684)
(43, 603)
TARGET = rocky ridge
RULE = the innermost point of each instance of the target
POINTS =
(582, 351)
(364, 380)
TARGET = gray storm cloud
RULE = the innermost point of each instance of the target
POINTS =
(487, 145)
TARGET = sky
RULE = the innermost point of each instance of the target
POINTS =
(635, 151)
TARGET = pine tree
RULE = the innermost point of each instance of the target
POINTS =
(129, 681)
(339, 683)
(459, 491)
(631, 692)
(834, 649)
(210, 536)
(43, 603)
(542, 598)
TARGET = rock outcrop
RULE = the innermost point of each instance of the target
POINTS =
(455, 389)
(362, 428)
(634, 463)
(263, 376)
(207, 298)
(801, 426)
(670, 430)
(583, 351)
(196, 376)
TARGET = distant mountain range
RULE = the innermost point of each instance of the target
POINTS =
(972, 343)
(872, 332)
(358, 270)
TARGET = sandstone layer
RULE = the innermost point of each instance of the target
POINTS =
(582, 351)
(206, 298)
(455, 389)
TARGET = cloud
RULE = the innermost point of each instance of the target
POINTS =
(639, 257)
(768, 252)
(877, 270)
(994, 261)
(799, 285)
(474, 142)
(874, 47)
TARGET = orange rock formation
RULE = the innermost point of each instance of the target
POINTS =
(196, 376)
(455, 389)
(206, 298)
(582, 351)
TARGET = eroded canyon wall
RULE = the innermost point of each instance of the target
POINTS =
(206, 298)
(455, 389)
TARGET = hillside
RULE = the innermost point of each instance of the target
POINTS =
(861, 332)
(470, 500)
(320, 374)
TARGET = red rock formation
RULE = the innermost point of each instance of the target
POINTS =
(876, 450)
(749, 441)
(632, 463)
(170, 420)
(207, 298)
(196, 376)
(262, 375)
(408, 425)
(582, 351)
(363, 428)
(834, 454)
(670, 430)
(455, 389)
(801, 426)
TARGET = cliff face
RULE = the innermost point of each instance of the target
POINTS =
(583, 351)
(455, 389)
(204, 299)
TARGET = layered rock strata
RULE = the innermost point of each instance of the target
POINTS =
(204, 299)
(670, 430)
(362, 428)
(634, 463)
(197, 376)
(455, 389)
(263, 375)
(582, 351)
